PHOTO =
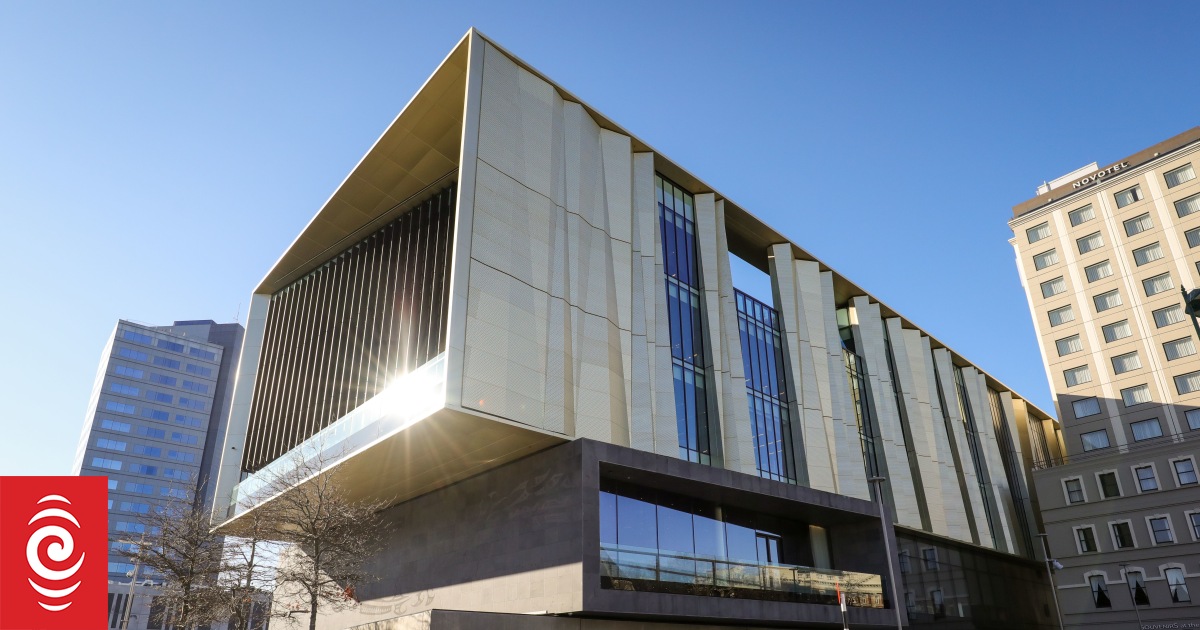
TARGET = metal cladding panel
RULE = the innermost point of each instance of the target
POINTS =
(340, 335)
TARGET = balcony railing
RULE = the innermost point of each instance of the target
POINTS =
(1186, 437)
(623, 567)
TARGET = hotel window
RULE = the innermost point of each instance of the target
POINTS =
(1193, 418)
(1146, 479)
(1099, 591)
(1085, 538)
(1097, 271)
(1069, 345)
(1122, 535)
(1074, 488)
(1107, 300)
(1193, 237)
(1177, 581)
(1160, 530)
(1090, 242)
(1061, 315)
(1116, 330)
(1081, 215)
(1169, 315)
(1138, 224)
(1109, 488)
(1146, 429)
(1128, 196)
(1188, 205)
(1077, 376)
(1147, 254)
(1094, 440)
(1086, 407)
(1053, 287)
(1158, 284)
(1187, 383)
(1126, 362)
(1180, 175)
(1136, 395)
(1185, 471)
(1179, 348)
(1038, 232)
(1045, 259)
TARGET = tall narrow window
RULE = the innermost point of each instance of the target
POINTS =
(1102, 269)
(766, 388)
(1188, 205)
(976, 449)
(1193, 418)
(689, 345)
(1122, 535)
(1128, 196)
(1116, 330)
(1074, 489)
(1053, 287)
(1179, 175)
(1090, 242)
(1099, 591)
(1085, 538)
(1081, 215)
(1160, 530)
(1177, 582)
(1185, 472)
(1137, 586)
(1147, 481)
(1147, 254)
(1038, 232)
(1138, 224)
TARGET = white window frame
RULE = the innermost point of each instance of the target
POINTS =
(1175, 474)
(1113, 535)
(1067, 492)
(1137, 483)
(1078, 547)
(1162, 570)
(1187, 519)
(1170, 528)
(1100, 484)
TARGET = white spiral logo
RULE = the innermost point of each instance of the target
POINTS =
(58, 551)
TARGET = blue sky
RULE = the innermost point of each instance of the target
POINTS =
(156, 158)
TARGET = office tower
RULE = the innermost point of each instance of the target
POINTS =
(1103, 255)
(518, 321)
(155, 422)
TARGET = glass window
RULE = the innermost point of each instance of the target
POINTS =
(1127, 362)
(167, 363)
(1138, 224)
(1095, 440)
(112, 445)
(1074, 490)
(1160, 530)
(170, 345)
(119, 407)
(1077, 376)
(929, 557)
(143, 469)
(1099, 591)
(1194, 517)
(1176, 580)
(125, 370)
(136, 336)
(1147, 482)
(148, 451)
(108, 464)
(163, 379)
(1116, 330)
(1086, 407)
(1147, 254)
(155, 414)
(183, 438)
(1128, 196)
(1100, 270)
(191, 403)
(130, 353)
(199, 388)
(1053, 287)
(1189, 205)
(201, 353)
(159, 397)
(1086, 537)
(1179, 348)
(1122, 535)
(123, 389)
(1045, 259)
(1038, 232)
(1107, 300)
(1069, 345)
(182, 456)
(188, 421)
(1090, 242)
(1136, 395)
(1158, 284)
(1193, 237)
(1108, 485)
(1146, 429)
(1185, 471)
(1180, 175)
(1187, 383)
(1193, 418)
(152, 432)
(905, 562)
(1061, 315)
(1081, 215)
(1169, 315)
(199, 370)
(1137, 585)
(113, 425)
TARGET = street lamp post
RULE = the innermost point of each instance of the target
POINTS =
(1050, 574)
(1132, 597)
(137, 565)
(885, 524)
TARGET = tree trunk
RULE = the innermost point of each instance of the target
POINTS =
(312, 611)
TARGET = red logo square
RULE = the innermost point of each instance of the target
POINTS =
(53, 553)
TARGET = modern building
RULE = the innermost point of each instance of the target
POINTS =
(1103, 255)
(518, 321)
(155, 422)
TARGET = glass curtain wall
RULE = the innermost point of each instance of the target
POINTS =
(766, 388)
(976, 448)
(856, 377)
(689, 345)
(1012, 463)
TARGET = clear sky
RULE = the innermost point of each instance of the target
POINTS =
(156, 158)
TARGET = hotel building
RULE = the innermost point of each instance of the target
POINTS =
(1104, 254)
(518, 321)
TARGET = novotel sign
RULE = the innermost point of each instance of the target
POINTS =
(1099, 175)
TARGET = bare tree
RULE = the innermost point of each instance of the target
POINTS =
(248, 569)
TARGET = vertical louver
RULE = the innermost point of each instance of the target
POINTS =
(341, 334)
